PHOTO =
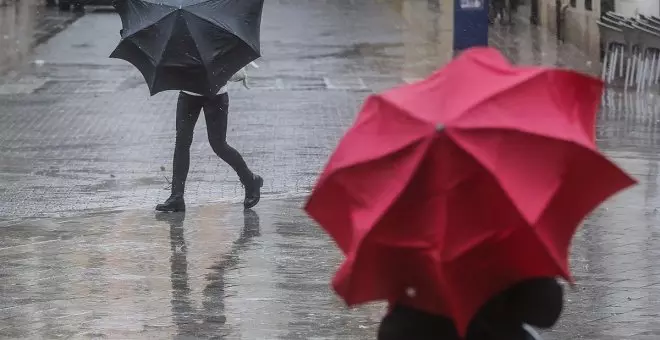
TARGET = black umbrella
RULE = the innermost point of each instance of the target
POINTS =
(189, 45)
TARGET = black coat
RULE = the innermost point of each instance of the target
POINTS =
(536, 302)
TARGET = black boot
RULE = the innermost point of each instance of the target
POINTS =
(173, 204)
(253, 191)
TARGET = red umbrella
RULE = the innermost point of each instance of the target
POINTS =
(448, 191)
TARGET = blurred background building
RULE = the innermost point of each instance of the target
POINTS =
(16, 25)
(577, 18)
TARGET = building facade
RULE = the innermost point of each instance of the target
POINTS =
(579, 26)
(16, 22)
(632, 7)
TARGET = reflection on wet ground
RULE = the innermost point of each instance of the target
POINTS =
(629, 121)
(213, 272)
(217, 272)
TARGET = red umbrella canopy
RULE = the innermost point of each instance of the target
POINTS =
(450, 190)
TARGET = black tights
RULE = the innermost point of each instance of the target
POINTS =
(215, 111)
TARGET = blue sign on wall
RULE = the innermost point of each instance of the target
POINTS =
(470, 24)
(471, 4)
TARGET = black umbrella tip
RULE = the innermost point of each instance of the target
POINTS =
(153, 90)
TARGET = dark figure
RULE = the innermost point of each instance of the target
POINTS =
(536, 302)
(513, 6)
(78, 7)
(502, 8)
(216, 110)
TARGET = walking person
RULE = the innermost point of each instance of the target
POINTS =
(499, 9)
(216, 113)
(195, 47)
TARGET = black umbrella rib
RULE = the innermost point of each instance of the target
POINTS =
(201, 57)
(136, 31)
(169, 40)
(223, 26)
(201, 2)
(143, 52)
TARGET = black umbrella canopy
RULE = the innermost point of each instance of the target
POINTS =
(189, 45)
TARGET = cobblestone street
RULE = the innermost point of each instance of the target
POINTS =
(86, 154)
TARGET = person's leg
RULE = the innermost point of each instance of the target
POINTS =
(216, 112)
(187, 112)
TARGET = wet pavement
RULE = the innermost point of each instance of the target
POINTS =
(215, 272)
(72, 140)
(79, 135)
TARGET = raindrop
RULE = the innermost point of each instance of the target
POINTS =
(411, 292)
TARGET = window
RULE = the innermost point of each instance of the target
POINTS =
(573, 3)
(588, 5)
